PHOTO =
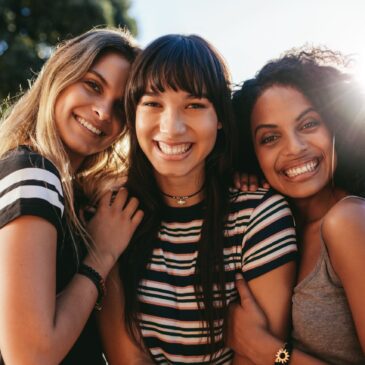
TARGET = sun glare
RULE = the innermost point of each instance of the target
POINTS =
(359, 69)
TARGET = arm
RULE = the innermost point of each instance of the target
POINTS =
(268, 263)
(249, 334)
(119, 348)
(272, 292)
(49, 325)
(343, 232)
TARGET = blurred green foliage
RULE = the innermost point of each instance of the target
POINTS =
(30, 28)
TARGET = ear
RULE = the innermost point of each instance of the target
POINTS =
(219, 125)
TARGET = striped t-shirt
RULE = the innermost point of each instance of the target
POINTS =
(260, 237)
(30, 185)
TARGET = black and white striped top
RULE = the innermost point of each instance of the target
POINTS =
(31, 185)
(260, 237)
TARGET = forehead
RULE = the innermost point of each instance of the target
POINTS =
(278, 103)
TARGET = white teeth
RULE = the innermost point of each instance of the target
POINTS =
(308, 167)
(175, 149)
(88, 126)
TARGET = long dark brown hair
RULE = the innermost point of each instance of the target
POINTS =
(191, 64)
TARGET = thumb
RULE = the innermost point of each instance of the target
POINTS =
(243, 289)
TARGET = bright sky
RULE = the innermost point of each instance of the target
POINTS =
(250, 32)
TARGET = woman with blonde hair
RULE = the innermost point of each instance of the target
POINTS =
(59, 138)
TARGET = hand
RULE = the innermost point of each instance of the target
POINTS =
(246, 321)
(113, 224)
(249, 182)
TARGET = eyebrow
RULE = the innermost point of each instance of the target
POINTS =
(303, 113)
(189, 96)
(297, 119)
(96, 73)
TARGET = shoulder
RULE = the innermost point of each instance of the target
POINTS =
(262, 202)
(347, 213)
(22, 164)
(29, 185)
(23, 157)
(344, 225)
(255, 198)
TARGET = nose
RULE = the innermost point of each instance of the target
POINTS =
(172, 123)
(295, 144)
(103, 110)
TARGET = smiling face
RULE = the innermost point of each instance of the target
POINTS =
(176, 132)
(292, 143)
(88, 113)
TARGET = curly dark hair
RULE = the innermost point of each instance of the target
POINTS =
(319, 74)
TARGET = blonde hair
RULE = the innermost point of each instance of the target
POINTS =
(30, 121)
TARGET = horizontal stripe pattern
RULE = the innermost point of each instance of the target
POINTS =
(259, 237)
(30, 185)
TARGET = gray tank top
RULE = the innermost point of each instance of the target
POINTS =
(322, 322)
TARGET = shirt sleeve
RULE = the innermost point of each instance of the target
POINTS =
(270, 239)
(30, 185)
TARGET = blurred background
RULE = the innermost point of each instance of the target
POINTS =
(247, 32)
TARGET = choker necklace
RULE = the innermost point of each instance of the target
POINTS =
(181, 199)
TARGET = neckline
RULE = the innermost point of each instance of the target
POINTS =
(183, 213)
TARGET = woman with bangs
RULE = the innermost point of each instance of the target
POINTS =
(58, 140)
(177, 277)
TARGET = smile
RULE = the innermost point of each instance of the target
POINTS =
(173, 150)
(302, 169)
(88, 125)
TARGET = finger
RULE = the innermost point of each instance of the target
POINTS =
(242, 288)
(105, 199)
(120, 198)
(131, 206)
(265, 184)
(243, 182)
(237, 180)
(252, 182)
(137, 217)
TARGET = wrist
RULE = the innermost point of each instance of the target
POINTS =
(97, 280)
(101, 263)
(263, 350)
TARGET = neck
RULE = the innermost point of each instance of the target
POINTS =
(181, 192)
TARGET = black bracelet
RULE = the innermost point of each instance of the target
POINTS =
(283, 355)
(96, 278)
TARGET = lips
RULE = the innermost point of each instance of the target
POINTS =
(88, 125)
(175, 149)
(301, 169)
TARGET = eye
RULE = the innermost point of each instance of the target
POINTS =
(196, 106)
(93, 85)
(312, 123)
(268, 139)
(151, 104)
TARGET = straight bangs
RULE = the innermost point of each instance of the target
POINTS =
(185, 63)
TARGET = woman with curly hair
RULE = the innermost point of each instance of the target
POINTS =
(301, 126)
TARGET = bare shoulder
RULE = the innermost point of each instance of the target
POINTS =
(344, 226)
(347, 211)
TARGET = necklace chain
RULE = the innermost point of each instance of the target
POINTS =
(181, 199)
